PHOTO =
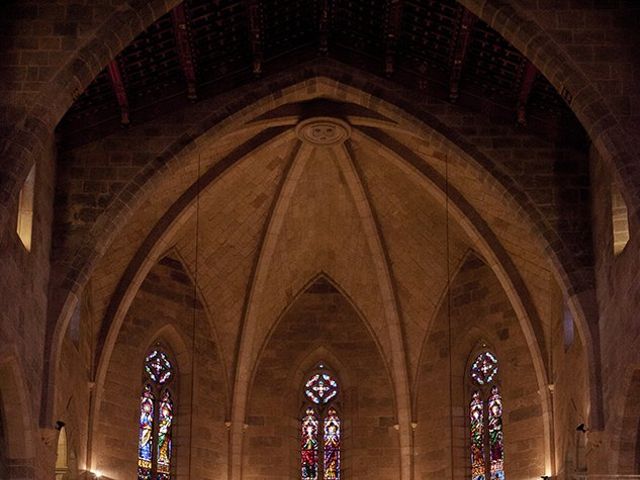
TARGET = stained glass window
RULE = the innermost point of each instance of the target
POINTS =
(476, 419)
(484, 368)
(164, 436)
(158, 366)
(485, 420)
(145, 439)
(321, 389)
(156, 418)
(496, 435)
(331, 445)
(309, 446)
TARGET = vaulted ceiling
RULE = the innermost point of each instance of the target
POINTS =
(205, 47)
(316, 194)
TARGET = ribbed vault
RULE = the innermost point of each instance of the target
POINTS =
(273, 208)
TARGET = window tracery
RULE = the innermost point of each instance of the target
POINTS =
(485, 419)
(155, 442)
(321, 418)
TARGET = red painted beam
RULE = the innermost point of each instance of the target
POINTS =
(255, 34)
(394, 17)
(323, 28)
(467, 21)
(117, 83)
(529, 74)
(182, 32)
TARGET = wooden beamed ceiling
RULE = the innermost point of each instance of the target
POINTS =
(434, 46)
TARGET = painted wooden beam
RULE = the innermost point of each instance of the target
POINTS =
(529, 74)
(182, 32)
(117, 83)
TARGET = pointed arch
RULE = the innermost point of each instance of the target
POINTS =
(156, 429)
(321, 430)
(291, 356)
(424, 350)
(165, 333)
(24, 226)
(396, 355)
(486, 436)
(316, 354)
(62, 453)
(517, 383)
(177, 341)
(157, 242)
(500, 262)
(326, 85)
(308, 360)
(159, 403)
(388, 288)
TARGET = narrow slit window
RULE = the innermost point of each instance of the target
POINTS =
(567, 326)
(62, 455)
(24, 225)
(619, 219)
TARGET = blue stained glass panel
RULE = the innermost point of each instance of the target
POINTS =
(145, 436)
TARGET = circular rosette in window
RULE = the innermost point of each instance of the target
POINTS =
(484, 368)
(321, 388)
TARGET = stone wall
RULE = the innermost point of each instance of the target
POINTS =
(321, 326)
(45, 64)
(480, 315)
(163, 312)
(24, 281)
(618, 303)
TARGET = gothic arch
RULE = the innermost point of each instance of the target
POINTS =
(443, 298)
(154, 245)
(329, 87)
(38, 121)
(561, 70)
(465, 346)
(180, 348)
(124, 24)
(127, 391)
(308, 361)
(320, 352)
(298, 366)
